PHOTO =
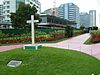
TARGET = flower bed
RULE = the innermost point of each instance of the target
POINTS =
(96, 39)
(28, 39)
(15, 40)
(40, 36)
(95, 36)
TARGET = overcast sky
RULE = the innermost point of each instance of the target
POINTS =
(84, 5)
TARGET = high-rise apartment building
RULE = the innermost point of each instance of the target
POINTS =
(70, 12)
(1, 13)
(85, 19)
(92, 18)
(10, 6)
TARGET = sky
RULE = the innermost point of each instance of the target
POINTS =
(84, 5)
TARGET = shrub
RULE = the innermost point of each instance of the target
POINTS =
(94, 28)
(95, 35)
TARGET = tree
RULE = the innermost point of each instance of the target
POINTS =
(82, 27)
(68, 31)
(23, 13)
(94, 28)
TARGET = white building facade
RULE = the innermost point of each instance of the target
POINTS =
(10, 6)
(92, 18)
(1, 13)
(70, 12)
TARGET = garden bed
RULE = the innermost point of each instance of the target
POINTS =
(26, 38)
(95, 37)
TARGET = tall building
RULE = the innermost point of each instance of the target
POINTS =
(70, 12)
(8, 7)
(12, 5)
(1, 13)
(92, 18)
(85, 19)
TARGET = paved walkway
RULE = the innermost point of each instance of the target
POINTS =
(6, 48)
(75, 43)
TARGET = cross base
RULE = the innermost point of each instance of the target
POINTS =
(32, 47)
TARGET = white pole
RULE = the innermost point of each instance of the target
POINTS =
(32, 29)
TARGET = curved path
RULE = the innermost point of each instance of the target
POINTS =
(6, 48)
(75, 43)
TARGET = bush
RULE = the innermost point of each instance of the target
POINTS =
(94, 28)
(78, 32)
(0, 31)
(95, 35)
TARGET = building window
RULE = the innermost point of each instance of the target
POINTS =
(8, 16)
(4, 12)
(8, 11)
(6, 20)
(8, 7)
(8, 2)
(3, 17)
(4, 3)
(3, 7)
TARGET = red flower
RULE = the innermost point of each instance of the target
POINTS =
(51, 39)
(97, 38)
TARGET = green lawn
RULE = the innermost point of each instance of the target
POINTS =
(49, 61)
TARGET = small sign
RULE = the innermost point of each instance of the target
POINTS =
(14, 63)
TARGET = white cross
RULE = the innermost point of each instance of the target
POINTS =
(32, 21)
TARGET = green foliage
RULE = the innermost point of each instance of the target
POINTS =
(95, 33)
(49, 61)
(0, 31)
(68, 31)
(82, 27)
(23, 14)
(23, 36)
(13, 32)
(94, 28)
(78, 32)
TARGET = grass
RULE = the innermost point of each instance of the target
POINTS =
(88, 41)
(49, 61)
